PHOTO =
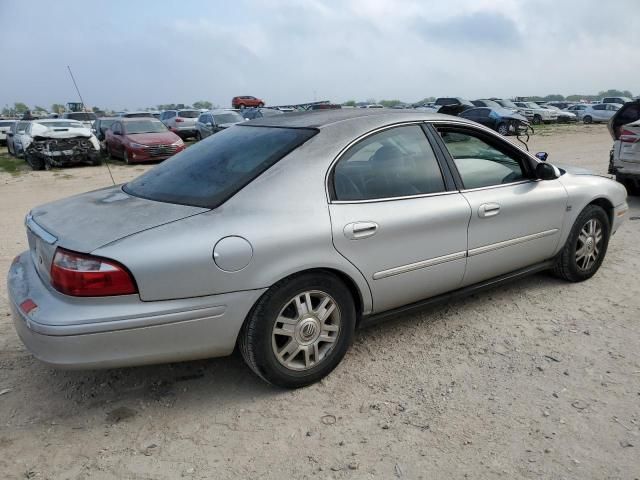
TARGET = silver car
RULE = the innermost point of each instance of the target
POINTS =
(216, 120)
(600, 112)
(181, 122)
(284, 234)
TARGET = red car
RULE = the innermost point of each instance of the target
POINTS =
(137, 140)
(246, 101)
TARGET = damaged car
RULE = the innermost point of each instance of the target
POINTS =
(59, 143)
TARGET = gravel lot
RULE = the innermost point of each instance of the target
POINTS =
(540, 379)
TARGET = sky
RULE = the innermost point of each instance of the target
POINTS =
(132, 54)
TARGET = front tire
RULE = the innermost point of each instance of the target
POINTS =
(586, 246)
(36, 163)
(198, 136)
(125, 157)
(537, 119)
(587, 119)
(299, 330)
(503, 129)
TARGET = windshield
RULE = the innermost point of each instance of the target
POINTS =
(507, 104)
(144, 126)
(62, 124)
(189, 113)
(138, 115)
(213, 170)
(7, 123)
(229, 117)
(532, 105)
(81, 116)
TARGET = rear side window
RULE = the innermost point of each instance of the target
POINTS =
(398, 162)
(189, 113)
(213, 170)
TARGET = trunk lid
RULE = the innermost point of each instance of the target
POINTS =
(91, 220)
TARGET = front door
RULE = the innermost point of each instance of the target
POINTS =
(515, 218)
(396, 219)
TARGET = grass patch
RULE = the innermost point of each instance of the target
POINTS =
(9, 164)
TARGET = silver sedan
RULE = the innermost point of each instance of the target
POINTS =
(283, 235)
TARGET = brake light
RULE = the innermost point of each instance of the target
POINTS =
(627, 136)
(82, 275)
(178, 120)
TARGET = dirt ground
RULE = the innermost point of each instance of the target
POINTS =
(540, 379)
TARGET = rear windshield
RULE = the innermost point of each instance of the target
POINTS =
(211, 171)
(138, 115)
(7, 123)
(189, 113)
(82, 116)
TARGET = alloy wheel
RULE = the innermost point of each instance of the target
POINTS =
(306, 330)
(589, 244)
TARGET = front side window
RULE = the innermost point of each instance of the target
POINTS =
(479, 163)
(398, 162)
(602, 106)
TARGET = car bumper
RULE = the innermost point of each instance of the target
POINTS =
(69, 332)
(186, 130)
(619, 215)
(143, 155)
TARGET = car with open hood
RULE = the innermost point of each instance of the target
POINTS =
(502, 120)
(624, 161)
(282, 235)
(59, 143)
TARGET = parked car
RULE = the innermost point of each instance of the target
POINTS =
(59, 143)
(253, 113)
(486, 103)
(578, 110)
(181, 122)
(136, 140)
(564, 116)
(5, 126)
(616, 100)
(393, 211)
(536, 113)
(86, 118)
(508, 104)
(245, 101)
(500, 119)
(15, 136)
(599, 112)
(216, 120)
(560, 104)
(100, 127)
(442, 101)
(624, 161)
(372, 105)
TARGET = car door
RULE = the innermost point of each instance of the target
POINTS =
(515, 219)
(396, 216)
(116, 145)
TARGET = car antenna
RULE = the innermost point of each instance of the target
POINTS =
(106, 162)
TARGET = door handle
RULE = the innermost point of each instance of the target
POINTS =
(359, 230)
(488, 210)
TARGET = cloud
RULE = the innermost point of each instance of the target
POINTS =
(478, 29)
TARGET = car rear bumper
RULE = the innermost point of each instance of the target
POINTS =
(69, 332)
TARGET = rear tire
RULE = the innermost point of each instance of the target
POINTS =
(260, 105)
(587, 119)
(586, 246)
(537, 120)
(290, 345)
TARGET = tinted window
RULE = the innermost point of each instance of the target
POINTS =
(211, 171)
(600, 107)
(6, 123)
(82, 116)
(189, 113)
(447, 101)
(228, 117)
(479, 163)
(395, 163)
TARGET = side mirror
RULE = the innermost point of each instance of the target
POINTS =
(546, 171)
(542, 156)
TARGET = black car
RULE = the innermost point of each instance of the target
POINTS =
(501, 120)
(101, 125)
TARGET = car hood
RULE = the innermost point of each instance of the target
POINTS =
(162, 138)
(64, 132)
(91, 220)
(573, 170)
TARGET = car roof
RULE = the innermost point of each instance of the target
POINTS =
(136, 119)
(324, 118)
(55, 120)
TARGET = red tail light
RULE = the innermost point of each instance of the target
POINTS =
(82, 275)
(178, 120)
(627, 136)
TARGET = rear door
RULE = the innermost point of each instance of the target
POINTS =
(396, 215)
(515, 218)
(624, 128)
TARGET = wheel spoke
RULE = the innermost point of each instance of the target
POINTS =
(301, 307)
(283, 331)
(326, 339)
(325, 309)
(286, 320)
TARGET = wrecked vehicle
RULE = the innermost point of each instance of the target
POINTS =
(59, 143)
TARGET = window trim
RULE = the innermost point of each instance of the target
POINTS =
(447, 178)
(526, 161)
